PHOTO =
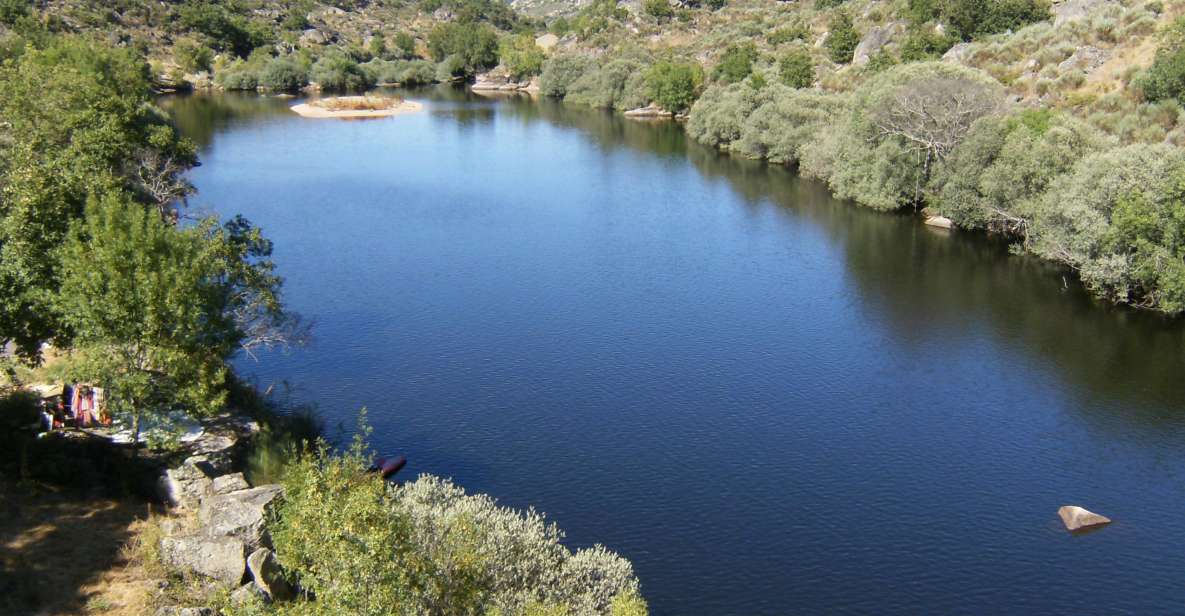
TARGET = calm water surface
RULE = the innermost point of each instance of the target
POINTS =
(772, 402)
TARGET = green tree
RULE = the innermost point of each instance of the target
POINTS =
(405, 44)
(13, 10)
(521, 56)
(736, 63)
(843, 38)
(797, 69)
(474, 45)
(658, 9)
(157, 310)
(81, 122)
(674, 85)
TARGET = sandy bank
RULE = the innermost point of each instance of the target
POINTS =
(324, 108)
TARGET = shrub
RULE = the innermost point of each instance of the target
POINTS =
(1116, 218)
(658, 9)
(788, 34)
(841, 43)
(925, 44)
(780, 128)
(521, 56)
(970, 19)
(417, 72)
(1005, 163)
(618, 84)
(238, 76)
(674, 85)
(718, 117)
(192, 56)
(736, 63)
(405, 44)
(283, 75)
(561, 71)
(797, 69)
(1165, 79)
(362, 546)
(474, 45)
(13, 10)
(335, 71)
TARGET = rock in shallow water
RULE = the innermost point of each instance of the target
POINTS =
(1076, 518)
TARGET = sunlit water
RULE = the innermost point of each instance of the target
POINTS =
(772, 402)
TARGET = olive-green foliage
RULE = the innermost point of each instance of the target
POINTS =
(192, 56)
(1116, 218)
(968, 19)
(155, 309)
(520, 55)
(336, 71)
(674, 85)
(736, 63)
(226, 26)
(283, 75)
(797, 68)
(658, 9)
(80, 121)
(405, 44)
(13, 10)
(903, 123)
(474, 45)
(364, 547)
(404, 72)
(617, 84)
(1165, 79)
(1005, 163)
(787, 34)
(843, 39)
(238, 75)
(562, 70)
(925, 44)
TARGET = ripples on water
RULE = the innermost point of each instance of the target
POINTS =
(770, 401)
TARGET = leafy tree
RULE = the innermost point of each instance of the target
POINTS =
(561, 71)
(521, 56)
(797, 69)
(378, 46)
(925, 44)
(12, 11)
(81, 123)
(228, 30)
(674, 85)
(336, 71)
(192, 56)
(405, 44)
(1165, 79)
(736, 63)
(283, 75)
(843, 39)
(475, 45)
(157, 310)
(969, 19)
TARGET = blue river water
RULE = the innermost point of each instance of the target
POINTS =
(771, 401)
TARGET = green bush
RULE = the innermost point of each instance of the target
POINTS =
(673, 85)
(405, 44)
(473, 45)
(13, 10)
(192, 56)
(970, 19)
(843, 40)
(362, 546)
(1165, 79)
(283, 75)
(736, 63)
(797, 68)
(238, 76)
(1005, 163)
(925, 44)
(335, 71)
(788, 34)
(618, 84)
(228, 29)
(658, 9)
(521, 56)
(561, 71)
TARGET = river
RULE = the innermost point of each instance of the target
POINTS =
(771, 401)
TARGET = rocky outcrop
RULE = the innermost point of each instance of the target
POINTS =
(1085, 59)
(649, 111)
(957, 54)
(184, 487)
(185, 611)
(1077, 518)
(230, 483)
(1071, 10)
(547, 42)
(241, 515)
(268, 577)
(940, 222)
(874, 40)
(220, 558)
(499, 80)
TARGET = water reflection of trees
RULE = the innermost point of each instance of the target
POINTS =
(928, 285)
(201, 116)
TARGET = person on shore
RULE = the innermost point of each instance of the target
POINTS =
(84, 406)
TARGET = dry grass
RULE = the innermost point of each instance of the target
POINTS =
(359, 103)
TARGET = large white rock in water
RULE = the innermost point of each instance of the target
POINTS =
(1075, 517)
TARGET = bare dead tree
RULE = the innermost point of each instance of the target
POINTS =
(933, 115)
(161, 178)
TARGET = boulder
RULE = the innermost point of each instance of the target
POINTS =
(1085, 59)
(268, 576)
(239, 514)
(185, 611)
(230, 483)
(547, 42)
(1076, 518)
(649, 111)
(221, 558)
(957, 54)
(245, 594)
(312, 37)
(942, 222)
(186, 485)
(874, 40)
